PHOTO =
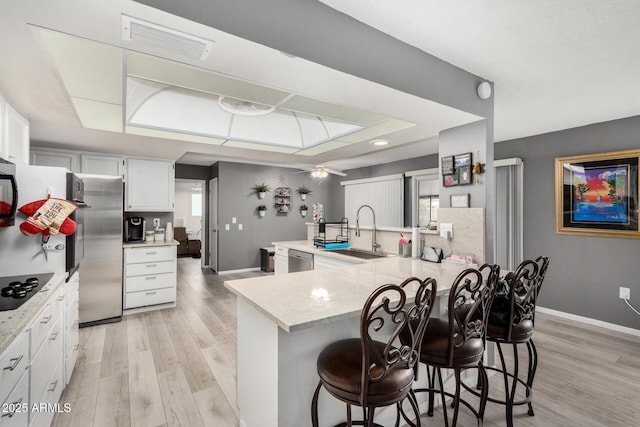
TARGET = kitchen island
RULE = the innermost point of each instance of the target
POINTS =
(285, 321)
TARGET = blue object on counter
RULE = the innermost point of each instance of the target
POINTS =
(336, 245)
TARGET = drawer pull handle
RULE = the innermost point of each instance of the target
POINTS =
(53, 386)
(16, 405)
(76, 347)
(151, 253)
(46, 320)
(151, 265)
(151, 277)
(54, 336)
(151, 293)
(14, 363)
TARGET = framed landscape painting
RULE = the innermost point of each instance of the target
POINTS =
(597, 194)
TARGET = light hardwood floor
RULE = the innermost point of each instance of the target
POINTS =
(176, 367)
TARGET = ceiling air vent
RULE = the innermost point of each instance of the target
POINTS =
(137, 30)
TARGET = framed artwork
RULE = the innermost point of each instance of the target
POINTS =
(462, 160)
(459, 200)
(447, 165)
(464, 175)
(597, 194)
(450, 180)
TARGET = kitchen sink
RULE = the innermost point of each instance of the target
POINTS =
(359, 253)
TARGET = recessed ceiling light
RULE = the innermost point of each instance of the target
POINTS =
(379, 142)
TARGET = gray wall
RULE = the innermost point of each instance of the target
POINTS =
(585, 272)
(236, 198)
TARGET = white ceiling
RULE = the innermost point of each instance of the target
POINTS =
(555, 65)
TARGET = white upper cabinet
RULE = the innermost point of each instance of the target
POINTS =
(102, 165)
(58, 158)
(150, 185)
(14, 134)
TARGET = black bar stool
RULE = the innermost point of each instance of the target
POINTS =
(511, 321)
(457, 341)
(377, 369)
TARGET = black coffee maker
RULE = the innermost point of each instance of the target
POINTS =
(134, 227)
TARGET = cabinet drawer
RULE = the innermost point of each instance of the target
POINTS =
(148, 268)
(72, 347)
(143, 298)
(281, 251)
(57, 303)
(151, 254)
(50, 396)
(40, 328)
(151, 281)
(13, 363)
(71, 316)
(17, 405)
(45, 360)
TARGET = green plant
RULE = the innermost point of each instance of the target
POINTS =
(261, 188)
(303, 207)
(303, 190)
(262, 208)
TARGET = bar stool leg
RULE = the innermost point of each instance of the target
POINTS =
(511, 395)
(533, 366)
(483, 381)
(444, 403)
(456, 399)
(314, 406)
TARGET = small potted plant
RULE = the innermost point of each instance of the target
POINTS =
(261, 190)
(262, 210)
(303, 191)
(303, 210)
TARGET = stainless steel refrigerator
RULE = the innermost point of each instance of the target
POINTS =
(101, 265)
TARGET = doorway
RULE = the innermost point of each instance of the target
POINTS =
(213, 224)
(190, 213)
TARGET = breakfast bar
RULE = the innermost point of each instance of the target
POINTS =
(285, 321)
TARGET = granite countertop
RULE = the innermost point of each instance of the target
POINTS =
(174, 242)
(295, 301)
(12, 322)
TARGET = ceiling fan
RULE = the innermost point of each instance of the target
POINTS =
(322, 172)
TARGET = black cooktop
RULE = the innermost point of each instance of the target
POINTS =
(16, 290)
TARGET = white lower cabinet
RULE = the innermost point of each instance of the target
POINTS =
(32, 368)
(321, 262)
(150, 276)
(281, 261)
(15, 408)
(71, 326)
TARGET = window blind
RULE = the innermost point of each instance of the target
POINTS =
(384, 194)
(508, 246)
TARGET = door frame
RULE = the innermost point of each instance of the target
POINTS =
(203, 217)
(212, 248)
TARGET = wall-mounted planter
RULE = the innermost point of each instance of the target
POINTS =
(262, 210)
(261, 195)
(261, 190)
(303, 191)
(303, 197)
(303, 211)
(262, 213)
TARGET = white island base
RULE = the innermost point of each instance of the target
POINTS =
(277, 373)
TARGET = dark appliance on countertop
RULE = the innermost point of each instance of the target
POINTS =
(341, 230)
(134, 227)
(8, 194)
(75, 241)
(16, 290)
(100, 289)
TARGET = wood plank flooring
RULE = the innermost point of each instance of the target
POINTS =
(177, 367)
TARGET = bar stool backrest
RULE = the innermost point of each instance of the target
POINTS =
(385, 315)
(524, 287)
(470, 298)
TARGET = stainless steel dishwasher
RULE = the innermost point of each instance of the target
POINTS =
(300, 261)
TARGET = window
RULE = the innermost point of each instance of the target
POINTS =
(425, 188)
(428, 210)
(196, 204)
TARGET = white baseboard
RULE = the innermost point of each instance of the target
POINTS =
(242, 270)
(590, 321)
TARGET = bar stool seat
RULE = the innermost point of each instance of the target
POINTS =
(339, 368)
(435, 346)
(521, 332)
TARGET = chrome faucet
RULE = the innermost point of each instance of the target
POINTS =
(374, 244)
